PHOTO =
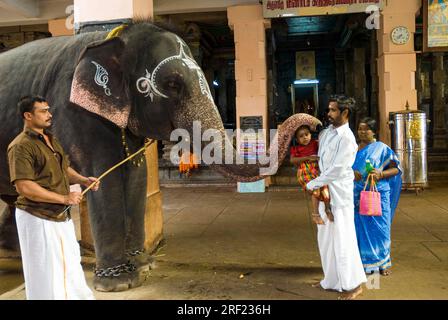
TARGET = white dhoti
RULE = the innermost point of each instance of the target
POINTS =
(51, 259)
(338, 247)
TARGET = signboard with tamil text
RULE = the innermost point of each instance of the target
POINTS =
(291, 8)
(252, 141)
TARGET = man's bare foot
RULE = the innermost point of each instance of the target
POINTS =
(329, 214)
(351, 295)
(318, 220)
(317, 285)
(386, 272)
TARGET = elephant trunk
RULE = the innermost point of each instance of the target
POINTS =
(278, 150)
(200, 108)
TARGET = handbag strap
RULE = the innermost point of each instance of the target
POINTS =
(372, 184)
(367, 182)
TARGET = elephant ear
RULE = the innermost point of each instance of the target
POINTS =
(98, 84)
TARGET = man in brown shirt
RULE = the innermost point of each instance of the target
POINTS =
(41, 174)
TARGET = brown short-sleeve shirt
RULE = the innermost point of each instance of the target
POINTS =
(30, 158)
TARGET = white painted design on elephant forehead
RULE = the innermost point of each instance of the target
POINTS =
(102, 77)
(148, 85)
(192, 64)
(205, 89)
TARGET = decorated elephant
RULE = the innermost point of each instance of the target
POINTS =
(107, 93)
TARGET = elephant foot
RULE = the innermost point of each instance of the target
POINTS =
(119, 278)
(142, 261)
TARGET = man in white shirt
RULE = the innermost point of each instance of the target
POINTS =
(341, 261)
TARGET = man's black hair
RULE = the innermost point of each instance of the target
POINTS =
(344, 103)
(26, 104)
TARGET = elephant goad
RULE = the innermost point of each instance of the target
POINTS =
(142, 83)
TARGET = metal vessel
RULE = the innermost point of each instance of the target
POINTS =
(409, 140)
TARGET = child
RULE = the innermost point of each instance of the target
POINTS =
(305, 157)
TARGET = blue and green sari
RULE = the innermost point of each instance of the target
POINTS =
(373, 233)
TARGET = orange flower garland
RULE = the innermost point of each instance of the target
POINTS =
(188, 162)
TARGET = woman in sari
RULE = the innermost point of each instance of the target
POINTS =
(373, 232)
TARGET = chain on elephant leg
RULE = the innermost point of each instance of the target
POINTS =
(142, 261)
(117, 278)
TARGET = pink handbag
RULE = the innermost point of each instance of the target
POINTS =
(370, 202)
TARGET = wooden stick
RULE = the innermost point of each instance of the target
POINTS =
(147, 144)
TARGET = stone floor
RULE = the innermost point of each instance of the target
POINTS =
(223, 245)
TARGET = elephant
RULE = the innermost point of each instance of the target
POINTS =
(107, 93)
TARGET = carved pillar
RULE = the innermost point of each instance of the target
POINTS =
(222, 96)
(153, 215)
(438, 95)
(359, 92)
(374, 77)
(340, 72)
(193, 38)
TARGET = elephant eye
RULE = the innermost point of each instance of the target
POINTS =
(172, 85)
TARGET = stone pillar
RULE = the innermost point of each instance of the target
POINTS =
(59, 27)
(249, 26)
(396, 63)
(438, 98)
(193, 37)
(107, 13)
(340, 72)
(222, 82)
(359, 78)
(154, 214)
(374, 77)
(349, 73)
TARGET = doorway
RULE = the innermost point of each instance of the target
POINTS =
(305, 96)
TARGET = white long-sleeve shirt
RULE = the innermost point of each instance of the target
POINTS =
(337, 153)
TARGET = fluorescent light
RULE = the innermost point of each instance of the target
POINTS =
(306, 81)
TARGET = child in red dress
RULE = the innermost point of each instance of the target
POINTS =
(305, 157)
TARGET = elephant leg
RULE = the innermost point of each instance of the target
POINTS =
(107, 214)
(9, 238)
(136, 187)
